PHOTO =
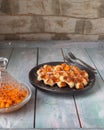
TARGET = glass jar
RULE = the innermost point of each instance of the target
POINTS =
(13, 95)
(5, 77)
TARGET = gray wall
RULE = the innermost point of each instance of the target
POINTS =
(76, 20)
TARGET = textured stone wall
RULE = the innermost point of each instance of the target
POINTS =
(76, 20)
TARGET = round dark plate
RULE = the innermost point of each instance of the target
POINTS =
(55, 89)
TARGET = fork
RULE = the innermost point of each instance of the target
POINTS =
(69, 60)
(77, 59)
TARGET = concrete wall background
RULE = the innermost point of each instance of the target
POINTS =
(76, 20)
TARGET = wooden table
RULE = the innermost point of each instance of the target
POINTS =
(45, 110)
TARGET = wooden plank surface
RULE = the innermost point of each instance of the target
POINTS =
(78, 129)
(90, 105)
(50, 43)
(58, 129)
(97, 56)
(53, 111)
(22, 60)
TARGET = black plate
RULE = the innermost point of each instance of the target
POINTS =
(40, 84)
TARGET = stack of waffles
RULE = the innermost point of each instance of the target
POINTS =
(63, 75)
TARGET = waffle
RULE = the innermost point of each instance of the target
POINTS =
(63, 75)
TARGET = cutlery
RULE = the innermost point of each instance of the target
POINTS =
(72, 56)
(69, 60)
